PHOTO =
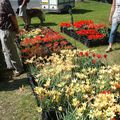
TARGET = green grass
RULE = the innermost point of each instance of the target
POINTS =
(17, 105)
(17, 102)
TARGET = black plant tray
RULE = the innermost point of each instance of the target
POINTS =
(52, 115)
(46, 114)
(33, 84)
(94, 43)
(83, 40)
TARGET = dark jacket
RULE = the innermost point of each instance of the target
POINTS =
(21, 1)
(5, 12)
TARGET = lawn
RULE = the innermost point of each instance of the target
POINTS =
(17, 102)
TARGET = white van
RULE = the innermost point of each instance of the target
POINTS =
(57, 5)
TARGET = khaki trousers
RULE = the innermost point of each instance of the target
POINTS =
(10, 50)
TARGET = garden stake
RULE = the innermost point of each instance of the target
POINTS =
(72, 22)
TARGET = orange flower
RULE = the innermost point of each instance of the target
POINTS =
(117, 86)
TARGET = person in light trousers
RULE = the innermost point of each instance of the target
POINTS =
(22, 4)
(114, 20)
(8, 29)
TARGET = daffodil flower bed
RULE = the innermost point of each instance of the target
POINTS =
(87, 32)
(77, 85)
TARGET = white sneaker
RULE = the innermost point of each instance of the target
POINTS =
(17, 73)
(109, 49)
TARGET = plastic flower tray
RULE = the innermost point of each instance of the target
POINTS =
(84, 40)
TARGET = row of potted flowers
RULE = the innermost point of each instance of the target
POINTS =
(41, 42)
(86, 31)
(76, 85)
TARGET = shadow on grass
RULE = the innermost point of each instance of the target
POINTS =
(80, 11)
(74, 11)
(117, 49)
(44, 24)
(36, 25)
(9, 84)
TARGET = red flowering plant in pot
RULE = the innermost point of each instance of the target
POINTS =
(87, 32)
(94, 33)
(64, 26)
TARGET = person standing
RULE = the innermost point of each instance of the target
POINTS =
(114, 20)
(22, 4)
(8, 30)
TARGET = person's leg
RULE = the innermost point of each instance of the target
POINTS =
(3, 38)
(10, 51)
(23, 15)
(15, 57)
(112, 36)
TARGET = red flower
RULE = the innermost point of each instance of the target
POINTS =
(94, 55)
(86, 53)
(82, 23)
(96, 36)
(87, 32)
(26, 50)
(99, 56)
(105, 92)
(117, 86)
(56, 44)
(114, 118)
(94, 61)
(105, 55)
(26, 42)
(81, 53)
(96, 26)
(49, 45)
(65, 24)
(63, 42)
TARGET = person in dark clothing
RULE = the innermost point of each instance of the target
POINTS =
(8, 30)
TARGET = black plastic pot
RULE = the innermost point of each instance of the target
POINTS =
(63, 29)
(51, 115)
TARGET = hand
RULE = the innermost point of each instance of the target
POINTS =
(17, 31)
(20, 6)
(110, 21)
